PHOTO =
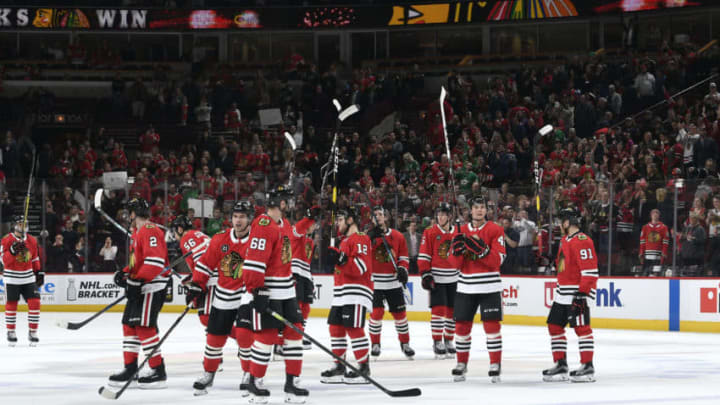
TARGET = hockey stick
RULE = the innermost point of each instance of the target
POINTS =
(77, 325)
(537, 171)
(411, 392)
(97, 202)
(334, 152)
(27, 196)
(106, 393)
(293, 146)
(443, 94)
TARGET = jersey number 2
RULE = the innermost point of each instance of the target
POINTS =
(153, 241)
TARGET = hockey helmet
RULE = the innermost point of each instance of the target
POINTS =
(570, 214)
(244, 207)
(182, 222)
(443, 207)
(276, 196)
(139, 206)
(349, 212)
(478, 200)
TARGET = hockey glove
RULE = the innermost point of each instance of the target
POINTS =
(120, 278)
(458, 245)
(375, 232)
(261, 300)
(578, 309)
(194, 293)
(134, 289)
(18, 247)
(402, 275)
(428, 282)
(313, 212)
(477, 246)
(39, 278)
(336, 257)
(186, 280)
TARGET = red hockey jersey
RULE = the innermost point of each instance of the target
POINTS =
(434, 255)
(148, 258)
(223, 258)
(353, 281)
(481, 276)
(20, 269)
(383, 271)
(302, 250)
(577, 268)
(267, 263)
(197, 242)
(654, 241)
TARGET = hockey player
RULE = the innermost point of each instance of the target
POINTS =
(145, 280)
(22, 275)
(302, 250)
(439, 277)
(225, 253)
(352, 298)
(577, 271)
(654, 243)
(478, 251)
(197, 242)
(389, 283)
(268, 277)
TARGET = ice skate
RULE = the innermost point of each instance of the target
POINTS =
(203, 383)
(154, 378)
(244, 385)
(494, 372)
(258, 393)
(439, 350)
(293, 393)
(407, 350)
(586, 373)
(351, 377)
(375, 350)
(333, 375)
(307, 345)
(459, 372)
(119, 379)
(12, 338)
(557, 373)
(33, 338)
(450, 347)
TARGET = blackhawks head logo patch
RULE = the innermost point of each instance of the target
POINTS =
(444, 249)
(231, 265)
(308, 250)
(286, 251)
(654, 237)
(264, 222)
(381, 254)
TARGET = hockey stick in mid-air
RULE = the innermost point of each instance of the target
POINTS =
(411, 392)
(443, 94)
(106, 393)
(77, 325)
(97, 203)
(291, 168)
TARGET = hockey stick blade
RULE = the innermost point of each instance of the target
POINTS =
(107, 394)
(290, 140)
(443, 94)
(336, 103)
(61, 323)
(346, 113)
(410, 392)
(98, 198)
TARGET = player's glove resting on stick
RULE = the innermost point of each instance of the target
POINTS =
(120, 278)
(458, 245)
(375, 232)
(336, 257)
(261, 300)
(477, 246)
(428, 282)
(186, 280)
(313, 212)
(402, 275)
(17, 248)
(578, 309)
(39, 278)
(193, 293)
(134, 288)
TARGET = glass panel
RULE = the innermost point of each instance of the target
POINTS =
(328, 50)
(8, 45)
(694, 28)
(249, 47)
(406, 44)
(563, 37)
(156, 48)
(613, 35)
(363, 47)
(513, 40)
(381, 44)
(44, 46)
(107, 48)
(290, 48)
(205, 48)
(652, 31)
(460, 42)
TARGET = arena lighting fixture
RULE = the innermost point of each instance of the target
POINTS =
(546, 130)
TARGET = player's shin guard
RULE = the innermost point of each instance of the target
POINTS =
(375, 324)
(293, 354)
(463, 341)
(131, 345)
(213, 352)
(437, 322)
(244, 339)
(33, 314)
(338, 343)
(149, 339)
(360, 344)
(586, 343)
(11, 314)
(494, 341)
(260, 352)
(449, 324)
(401, 326)
(558, 342)
(204, 319)
(305, 309)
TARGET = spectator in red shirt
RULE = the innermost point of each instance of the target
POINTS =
(197, 222)
(149, 139)
(141, 188)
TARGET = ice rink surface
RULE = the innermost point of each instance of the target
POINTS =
(632, 367)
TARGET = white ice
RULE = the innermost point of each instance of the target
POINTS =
(632, 367)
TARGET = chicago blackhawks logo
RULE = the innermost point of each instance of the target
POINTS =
(382, 256)
(286, 251)
(654, 237)
(444, 249)
(231, 265)
(308, 250)
(24, 257)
